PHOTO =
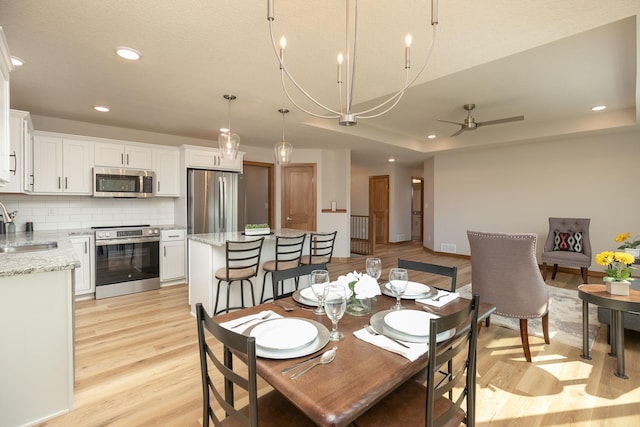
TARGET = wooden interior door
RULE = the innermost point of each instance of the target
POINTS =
(299, 197)
(379, 207)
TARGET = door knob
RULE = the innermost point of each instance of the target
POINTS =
(288, 218)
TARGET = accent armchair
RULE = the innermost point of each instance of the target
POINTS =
(567, 244)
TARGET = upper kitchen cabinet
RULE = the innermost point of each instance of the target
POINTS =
(212, 159)
(166, 165)
(122, 156)
(5, 68)
(62, 165)
(20, 159)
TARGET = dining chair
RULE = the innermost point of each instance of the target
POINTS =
(272, 408)
(288, 254)
(440, 270)
(279, 276)
(320, 248)
(567, 244)
(505, 273)
(413, 403)
(241, 264)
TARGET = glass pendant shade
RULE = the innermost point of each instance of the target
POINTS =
(229, 143)
(283, 152)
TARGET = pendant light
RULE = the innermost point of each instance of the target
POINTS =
(283, 149)
(227, 140)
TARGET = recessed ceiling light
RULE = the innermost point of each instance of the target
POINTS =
(431, 136)
(101, 108)
(128, 53)
(392, 159)
(17, 62)
(599, 108)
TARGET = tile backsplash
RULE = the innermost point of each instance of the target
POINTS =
(74, 212)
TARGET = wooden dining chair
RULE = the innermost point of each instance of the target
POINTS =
(242, 262)
(279, 276)
(320, 248)
(440, 270)
(288, 254)
(413, 404)
(219, 398)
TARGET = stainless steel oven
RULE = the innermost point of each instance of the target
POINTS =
(127, 260)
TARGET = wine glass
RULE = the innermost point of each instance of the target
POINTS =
(398, 279)
(319, 279)
(374, 267)
(335, 304)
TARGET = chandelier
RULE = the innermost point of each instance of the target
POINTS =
(346, 71)
(227, 140)
(283, 149)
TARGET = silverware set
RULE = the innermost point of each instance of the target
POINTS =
(320, 359)
(373, 331)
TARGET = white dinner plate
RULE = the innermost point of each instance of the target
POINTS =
(410, 322)
(307, 293)
(297, 296)
(317, 344)
(377, 320)
(284, 334)
(414, 290)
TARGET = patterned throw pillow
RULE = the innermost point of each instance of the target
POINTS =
(569, 241)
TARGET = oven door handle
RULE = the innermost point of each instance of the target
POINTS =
(127, 241)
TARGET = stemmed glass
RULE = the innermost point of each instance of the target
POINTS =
(374, 267)
(335, 304)
(319, 279)
(398, 279)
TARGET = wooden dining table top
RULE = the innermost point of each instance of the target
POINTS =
(361, 374)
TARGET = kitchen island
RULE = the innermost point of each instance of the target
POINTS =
(36, 327)
(207, 253)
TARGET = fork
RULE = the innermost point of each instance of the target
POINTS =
(263, 316)
(372, 331)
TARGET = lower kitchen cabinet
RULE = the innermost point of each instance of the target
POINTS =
(172, 255)
(85, 274)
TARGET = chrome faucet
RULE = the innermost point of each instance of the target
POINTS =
(5, 214)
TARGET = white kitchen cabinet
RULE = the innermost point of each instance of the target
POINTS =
(85, 274)
(20, 153)
(62, 165)
(5, 68)
(166, 165)
(172, 255)
(122, 156)
(212, 159)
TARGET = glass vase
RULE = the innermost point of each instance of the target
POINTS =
(358, 307)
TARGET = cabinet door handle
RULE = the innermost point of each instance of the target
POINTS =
(66, 182)
(15, 163)
(127, 160)
(59, 183)
(158, 186)
(85, 248)
(165, 251)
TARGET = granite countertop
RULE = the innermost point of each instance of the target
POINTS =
(61, 258)
(219, 239)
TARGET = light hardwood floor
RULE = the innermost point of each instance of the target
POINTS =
(137, 364)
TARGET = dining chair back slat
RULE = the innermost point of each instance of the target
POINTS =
(441, 270)
(292, 273)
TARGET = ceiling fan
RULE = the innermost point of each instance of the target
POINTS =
(471, 124)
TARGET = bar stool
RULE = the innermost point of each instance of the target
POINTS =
(288, 254)
(242, 261)
(320, 248)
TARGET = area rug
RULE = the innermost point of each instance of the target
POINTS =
(565, 317)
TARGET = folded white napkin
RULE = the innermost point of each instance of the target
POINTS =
(412, 353)
(250, 320)
(444, 298)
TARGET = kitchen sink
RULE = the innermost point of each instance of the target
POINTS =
(28, 247)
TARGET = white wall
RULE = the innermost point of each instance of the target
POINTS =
(73, 212)
(516, 188)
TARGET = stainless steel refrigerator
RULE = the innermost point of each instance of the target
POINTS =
(212, 201)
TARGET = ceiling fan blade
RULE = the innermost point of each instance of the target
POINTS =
(462, 129)
(448, 121)
(496, 122)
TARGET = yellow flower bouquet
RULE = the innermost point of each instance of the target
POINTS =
(618, 265)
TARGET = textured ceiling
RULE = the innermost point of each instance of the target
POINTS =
(547, 60)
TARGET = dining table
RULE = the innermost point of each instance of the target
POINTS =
(361, 374)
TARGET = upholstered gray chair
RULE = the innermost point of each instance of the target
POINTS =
(505, 273)
(567, 244)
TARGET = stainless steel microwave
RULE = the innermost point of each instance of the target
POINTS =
(108, 182)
